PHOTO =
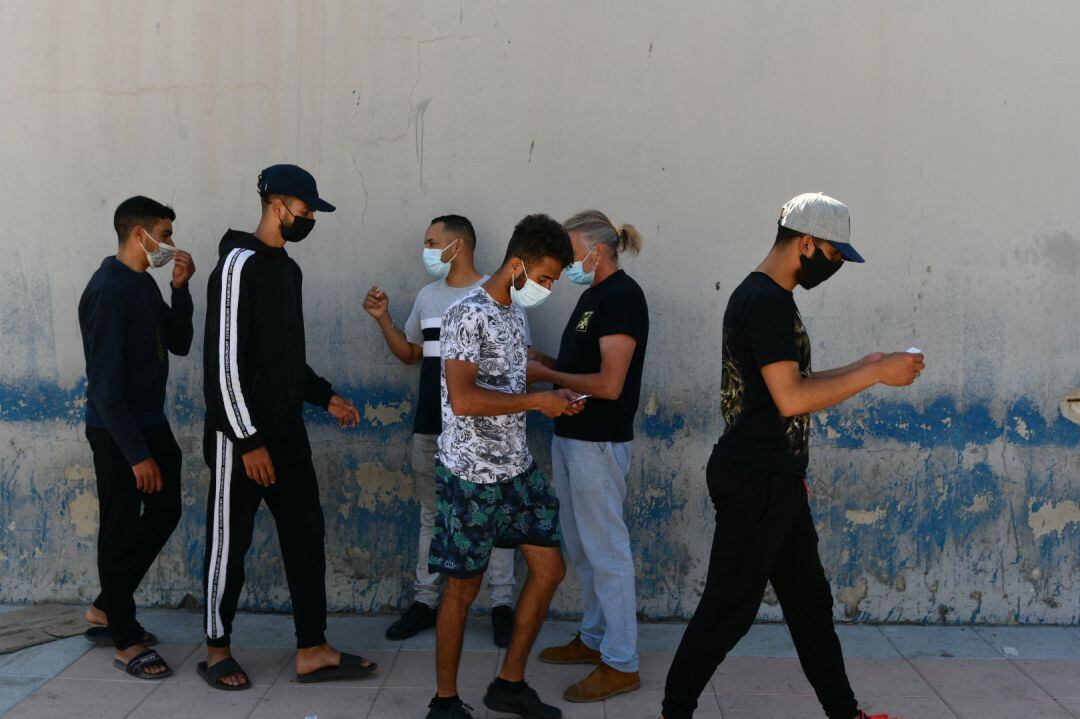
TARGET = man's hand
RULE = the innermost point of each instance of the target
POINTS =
(376, 303)
(576, 405)
(183, 269)
(555, 403)
(871, 358)
(147, 476)
(344, 411)
(259, 467)
(899, 369)
(535, 371)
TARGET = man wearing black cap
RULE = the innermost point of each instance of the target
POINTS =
(256, 380)
(764, 529)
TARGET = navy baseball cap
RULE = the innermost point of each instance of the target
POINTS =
(293, 181)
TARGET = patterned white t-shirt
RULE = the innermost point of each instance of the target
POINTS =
(479, 330)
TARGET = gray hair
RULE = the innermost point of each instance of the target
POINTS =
(597, 229)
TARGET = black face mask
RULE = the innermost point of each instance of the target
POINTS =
(300, 228)
(817, 268)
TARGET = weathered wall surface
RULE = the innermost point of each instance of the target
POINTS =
(949, 128)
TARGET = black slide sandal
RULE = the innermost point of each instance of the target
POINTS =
(101, 637)
(137, 666)
(351, 667)
(224, 668)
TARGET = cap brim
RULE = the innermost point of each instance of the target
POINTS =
(847, 252)
(318, 204)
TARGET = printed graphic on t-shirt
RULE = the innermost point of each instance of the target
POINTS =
(798, 428)
(479, 330)
(583, 323)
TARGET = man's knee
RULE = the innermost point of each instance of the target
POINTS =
(463, 591)
(548, 567)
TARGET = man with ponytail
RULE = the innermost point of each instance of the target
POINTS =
(601, 355)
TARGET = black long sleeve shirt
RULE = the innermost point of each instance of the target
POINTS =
(128, 332)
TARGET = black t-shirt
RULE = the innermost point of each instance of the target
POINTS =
(616, 306)
(762, 325)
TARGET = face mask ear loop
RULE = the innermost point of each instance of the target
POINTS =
(448, 247)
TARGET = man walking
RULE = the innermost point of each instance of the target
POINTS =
(602, 354)
(489, 492)
(256, 380)
(764, 529)
(448, 255)
(128, 332)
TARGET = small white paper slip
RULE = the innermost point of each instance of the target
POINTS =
(914, 350)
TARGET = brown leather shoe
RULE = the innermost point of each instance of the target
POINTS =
(573, 653)
(603, 683)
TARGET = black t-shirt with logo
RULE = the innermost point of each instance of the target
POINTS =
(762, 325)
(616, 306)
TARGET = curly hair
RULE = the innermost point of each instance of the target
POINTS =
(538, 236)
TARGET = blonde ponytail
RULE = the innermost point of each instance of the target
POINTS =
(597, 229)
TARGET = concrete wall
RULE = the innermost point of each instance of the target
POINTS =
(949, 128)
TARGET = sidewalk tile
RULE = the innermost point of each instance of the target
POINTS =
(982, 678)
(1032, 642)
(660, 638)
(363, 635)
(1010, 708)
(765, 640)
(98, 663)
(919, 642)
(862, 641)
(173, 626)
(298, 701)
(394, 703)
(886, 678)
(263, 666)
(760, 675)
(907, 707)
(14, 689)
(1072, 704)
(477, 637)
(44, 660)
(83, 698)
(416, 670)
(198, 701)
(653, 669)
(770, 705)
(385, 660)
(647, 705)
(1058, 677)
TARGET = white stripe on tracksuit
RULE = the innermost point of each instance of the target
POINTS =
(228, 369)
(236, 410)
(219, 546)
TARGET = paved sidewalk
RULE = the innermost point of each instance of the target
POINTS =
(911, 672)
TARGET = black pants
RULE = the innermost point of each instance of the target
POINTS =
(230, 520)
(133, 525)
(764, 532)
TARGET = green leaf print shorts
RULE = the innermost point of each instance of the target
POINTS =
(471, 518)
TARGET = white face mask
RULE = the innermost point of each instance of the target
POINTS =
(434, 263)
(161, 255)
(531, 294)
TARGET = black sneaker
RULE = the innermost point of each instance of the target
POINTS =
(502, 625)
(416, 619)
(525, 703)
(457, 710)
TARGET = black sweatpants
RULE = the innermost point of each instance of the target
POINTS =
(133, 525)
(230, 520)
(764, 532)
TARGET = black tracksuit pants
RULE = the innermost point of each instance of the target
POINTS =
(764, 532)
(133, 525)
(230, 521)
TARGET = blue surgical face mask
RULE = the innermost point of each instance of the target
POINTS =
(531, 294)
(434, 263)
(576, 272)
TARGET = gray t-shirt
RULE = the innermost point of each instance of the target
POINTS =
(423, 329)
(478, 329)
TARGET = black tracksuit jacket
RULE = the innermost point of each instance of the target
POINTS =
(255, 373)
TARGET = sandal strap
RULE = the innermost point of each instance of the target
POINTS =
(223, 669)
(148, 658)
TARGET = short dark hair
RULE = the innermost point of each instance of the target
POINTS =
(785, 235)
(459, 226)
(538, 236)
(139, 210)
